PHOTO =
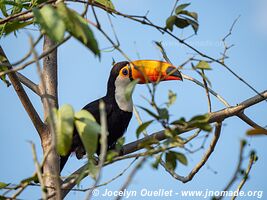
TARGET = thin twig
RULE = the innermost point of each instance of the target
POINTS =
(106, 182)
(130, 177)
(249, 121)
(44, 54)
(226, 47)
(175, 4)
(29, 53)
(160, 135)
(206, 90)
(245, 177)
(139, 120)
(25, 15)
(192, 136)
(27, 82)
(184, 76)
(21, 189)
(238, 169)
(103, 149)
(219, 97)
(204, 159)
(39, 172)
(144, 20)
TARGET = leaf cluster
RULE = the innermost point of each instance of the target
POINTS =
(84, 123)
(56, 21)
(183, 18)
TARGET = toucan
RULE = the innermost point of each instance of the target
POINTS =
(118, 108)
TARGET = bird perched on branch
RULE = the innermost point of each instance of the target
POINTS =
(118, 107)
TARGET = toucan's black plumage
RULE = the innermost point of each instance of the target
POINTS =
(118, 109)
(117, 119)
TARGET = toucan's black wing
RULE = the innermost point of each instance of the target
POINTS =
(93, 108)
(77, 145)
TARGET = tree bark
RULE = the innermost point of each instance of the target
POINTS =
(48, 88)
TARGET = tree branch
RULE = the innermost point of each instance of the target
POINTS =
(214, 117)
(252, 160)
(249, 121)
(235, 110)
(241, 115)
(44, 54)
(48, 88)
(130, 177)
(199, 165)
(160, 135)
(237, 171)
(25, 15)
(28, 83)
(49, 75)
(26, 102)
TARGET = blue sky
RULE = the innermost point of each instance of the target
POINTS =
(82, 78)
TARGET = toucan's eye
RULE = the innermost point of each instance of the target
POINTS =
(125, 71)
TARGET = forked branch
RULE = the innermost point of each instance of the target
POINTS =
(25, 100)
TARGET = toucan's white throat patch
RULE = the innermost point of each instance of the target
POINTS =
(120, 87)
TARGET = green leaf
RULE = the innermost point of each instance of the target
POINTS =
(51, 22)
(180, 8)
(193, 15)
(111, 154)
(181, 158)
(171, 97)
(205, 127)
(10, 27)
(147, 143)
(120, 143)
(170, 159)
(169, 133)
(105, 3)
(3, 8)
(3, 77)
(129, 89)
(92, 168)
(149, 112)
(200, 121)
(163, 113)
(3, 185)
(17, 8)
(157, 161)
(181, 23)
(78, 27)
(202, 74)
(200, 118)
(203, 65)
(30, 179)
(142, 127)
(186, 18)
(176, 141)
(3, 60)
(38, 2)
(181, 122)
(194, 24)
(170, 22)
(88, 130)
(64, 129)
(257, 132)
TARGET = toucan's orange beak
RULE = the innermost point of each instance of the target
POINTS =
(152, 71)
